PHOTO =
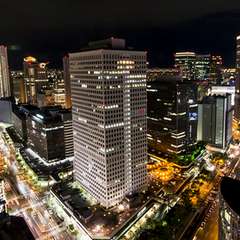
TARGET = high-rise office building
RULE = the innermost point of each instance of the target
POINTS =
(18, 86)
(237, 82)
(215, 120)
(66, 118)
(229, 210)
(109, 119)
(5, 88)
(57, 86)
(35, 76)
(185, 61)
(67, 83)
(172, 115)
(215, 75)
(202, 67)
(59, 93)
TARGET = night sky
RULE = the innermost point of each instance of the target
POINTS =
(48, 29)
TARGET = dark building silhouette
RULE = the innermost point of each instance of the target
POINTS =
(172, 115)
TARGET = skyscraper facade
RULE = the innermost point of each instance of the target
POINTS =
(185, 61)
(202, 67)
(215, 120)
(172, 115)
(5, 89)
(35, 76)
(18, 86)
(237, 82)
(67, 83)
(215, 75)
(109, 119)
(56, 82)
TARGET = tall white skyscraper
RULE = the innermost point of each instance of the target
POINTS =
(5, 90)
(109, 101)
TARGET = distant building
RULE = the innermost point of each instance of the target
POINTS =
(172, 115)
(59, 93)
(237, 83)
(50, 134)
(215, 120)
(45, 98)
(57, 86)
(185, 62)
(202, 67)
(18, 87)
(35, 76)
(229, 76)
(109, 119)
(67, 83)
(215, 75)
(5, 88)
(229, 210)
(162, 73)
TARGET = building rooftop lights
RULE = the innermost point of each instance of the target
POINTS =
(30, 59)
(183, 54)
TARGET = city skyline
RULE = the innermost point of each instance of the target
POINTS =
(120, 120)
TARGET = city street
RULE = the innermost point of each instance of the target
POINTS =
(31, 205)
(210, 229)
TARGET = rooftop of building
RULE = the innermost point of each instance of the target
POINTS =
(48, 115)
(212, 98)
(185, 54)
(99, 221)
(28, 107)
(7, 99)
(40, 169)
(230, 190)
(14, 136)
(110, 43)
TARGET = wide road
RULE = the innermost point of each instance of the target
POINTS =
(25, 202)
(210, 229)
